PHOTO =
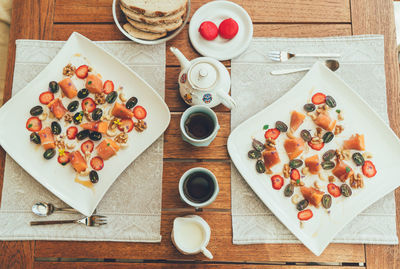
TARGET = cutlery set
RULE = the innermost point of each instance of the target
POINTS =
(283, 56)
(43, 209)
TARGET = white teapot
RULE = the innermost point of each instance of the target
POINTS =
(204, 81)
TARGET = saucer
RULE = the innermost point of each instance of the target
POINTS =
(220, 48)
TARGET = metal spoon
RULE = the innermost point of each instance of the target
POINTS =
(45, 209)
(331, 64)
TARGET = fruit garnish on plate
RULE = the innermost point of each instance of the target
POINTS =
(91, 135)
(321, 176)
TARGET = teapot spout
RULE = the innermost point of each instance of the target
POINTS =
(185, 64)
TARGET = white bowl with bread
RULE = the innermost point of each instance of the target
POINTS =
(151, 21)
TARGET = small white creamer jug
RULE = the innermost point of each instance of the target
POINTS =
(191, 234)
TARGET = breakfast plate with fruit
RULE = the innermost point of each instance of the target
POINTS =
(220, 29)
(81, 122)
(317, 157)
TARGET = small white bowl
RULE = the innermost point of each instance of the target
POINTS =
(118, 18)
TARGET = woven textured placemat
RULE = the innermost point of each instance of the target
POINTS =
(362, 67)
(132, 204)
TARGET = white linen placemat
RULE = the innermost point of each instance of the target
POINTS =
(362, 67)
(132, 204)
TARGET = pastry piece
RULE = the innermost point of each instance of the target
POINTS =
(271, 158)
(296, 119)
(150, 20)
(324, 121)
(294, 147)
(355, 142)
(155, 8)
(141, 34)
(157, 29)
(342, 171)
(313, 164)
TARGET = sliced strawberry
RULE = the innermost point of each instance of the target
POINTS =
(71, 132)
(272, 133)
(82, 71)
(318, 98)
(88, 104)
(139, 112)
(63, 159)
(108, 86)
(294, 174)
(316, 146)
(87, 146)
(333, 190)
(46, 97)
(97, 163)
(126, 125)
(368, 169)
(305, 214)
(277, 182)
(34, 124)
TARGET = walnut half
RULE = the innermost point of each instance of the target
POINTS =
(356, 181)
(69, 70)
(286, 170)
(140, 126)
(100, 98)
(122, 138)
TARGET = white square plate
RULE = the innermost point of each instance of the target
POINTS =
(380, 140)
(14, 137)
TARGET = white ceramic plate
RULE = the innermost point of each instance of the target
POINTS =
(380, 140)
(220, 48)
(14, 137)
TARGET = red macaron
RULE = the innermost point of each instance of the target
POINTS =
(208, 30)
(228, 28)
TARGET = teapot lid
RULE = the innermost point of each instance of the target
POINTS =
(203, 75)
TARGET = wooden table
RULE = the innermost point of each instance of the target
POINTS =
(57, 19)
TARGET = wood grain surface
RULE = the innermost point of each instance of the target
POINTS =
(57, 19)
(109, 265)
(272, 11)
(220, 245)
(110, 32)
(376, 17)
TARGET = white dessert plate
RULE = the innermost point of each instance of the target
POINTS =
(380, 140)
(220, 48)
(14, 137)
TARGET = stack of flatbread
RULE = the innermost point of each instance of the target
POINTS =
(152, 19)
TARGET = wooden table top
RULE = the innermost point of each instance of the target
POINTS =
(57, 19)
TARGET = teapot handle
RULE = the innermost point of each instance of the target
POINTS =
(227, 100)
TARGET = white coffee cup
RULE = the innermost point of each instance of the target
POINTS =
(199, 142)
(190, 235)
(182, 192)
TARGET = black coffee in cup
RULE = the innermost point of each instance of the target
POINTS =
(199, 125)
(198, 187)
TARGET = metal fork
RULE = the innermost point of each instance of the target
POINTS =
(281, 56)
(94, 220)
